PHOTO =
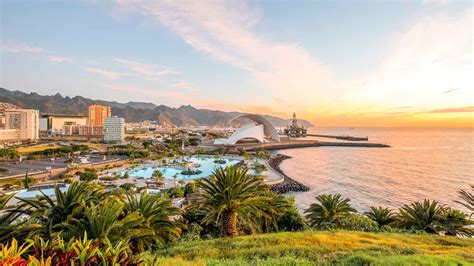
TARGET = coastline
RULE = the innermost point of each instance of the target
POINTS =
(288, 184)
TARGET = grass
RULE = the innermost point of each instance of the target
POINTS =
(310, 248)
(36, 148)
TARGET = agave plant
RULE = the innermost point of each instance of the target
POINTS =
(231, 196)
(328, 210)
(383, 216)
(425, 216)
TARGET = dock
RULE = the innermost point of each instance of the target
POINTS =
(349, 138)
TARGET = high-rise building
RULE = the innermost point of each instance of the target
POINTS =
(25, 121)
(114, 129)
(98, 114)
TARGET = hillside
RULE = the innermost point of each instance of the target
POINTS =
(185, 115)
(325, 247)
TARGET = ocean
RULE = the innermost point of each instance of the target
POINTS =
(423, 163)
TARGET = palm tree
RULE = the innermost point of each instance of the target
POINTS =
(426, 216)
(467, 199)
(156, 212)
(328, 210)
(46, 216)
(158, 175)
(231, 196)
(456, 223)
(383, 216)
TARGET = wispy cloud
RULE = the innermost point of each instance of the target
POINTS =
(59, 59)
(227, 36)
(464, 109)
(152, 71)
(103, 72)
(17, 47)
(134, 89)
(450, 90)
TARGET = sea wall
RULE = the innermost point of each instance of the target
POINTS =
(288, 184)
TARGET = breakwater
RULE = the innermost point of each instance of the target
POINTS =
(288, 183)
(350, 138)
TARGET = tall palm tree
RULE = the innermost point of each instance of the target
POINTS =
(156, 212)
(328, 210)
(467, 199)
(231, 195)
(383, 216)
(426, 216)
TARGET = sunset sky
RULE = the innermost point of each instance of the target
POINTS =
(335, 63)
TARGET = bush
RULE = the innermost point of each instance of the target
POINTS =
(88, 175)
(358, 222)
(176, 192)
(189, 188)
(128, 186)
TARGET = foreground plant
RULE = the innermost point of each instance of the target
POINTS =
(467, 199)
(381, 215)
(230, 195)
(424, 216)
(328, 211)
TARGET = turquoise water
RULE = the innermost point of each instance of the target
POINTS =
(32, 193)
(206, 165)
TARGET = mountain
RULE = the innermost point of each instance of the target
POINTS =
(185, 115)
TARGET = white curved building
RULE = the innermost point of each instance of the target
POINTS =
(260, 130)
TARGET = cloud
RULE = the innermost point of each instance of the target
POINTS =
(184, 85)
(151, 71)
(432, 54)
(16, 47)
(103, 72)
(464, 109)
(227, 36)
(450, 90)
(60, 59)
(133, 89)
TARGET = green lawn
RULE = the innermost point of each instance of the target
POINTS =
(309, 248)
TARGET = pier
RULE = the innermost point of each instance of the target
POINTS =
(350, 138)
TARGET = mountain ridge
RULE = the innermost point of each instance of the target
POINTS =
(185, 115)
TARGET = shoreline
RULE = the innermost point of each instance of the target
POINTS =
(288, 184)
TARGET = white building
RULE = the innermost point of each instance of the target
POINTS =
(260, 130)
(114, 129)
(22, 124)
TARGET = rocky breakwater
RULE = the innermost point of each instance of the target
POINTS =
(288, 183)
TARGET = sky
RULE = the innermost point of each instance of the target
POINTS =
(335, 63)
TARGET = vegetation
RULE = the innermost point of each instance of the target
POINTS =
(323, 248)
(382, 216)
(328, 211)
(8, 154)
(231, 196)
(88, 175)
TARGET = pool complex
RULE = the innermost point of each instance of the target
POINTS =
(205, 164)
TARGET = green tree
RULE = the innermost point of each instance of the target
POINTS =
(383, 216)
(456, 223)
(425, 216)
(157, 175)
(230, 196)
(88, 175)
(466, 199)
(328, 211)
(189, 188)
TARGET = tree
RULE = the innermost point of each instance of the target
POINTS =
(155, 211)
(328, 210)
(126, 175)
(383, 216)
(466, 199)
(455, 223)
(230, 196)
(157, 175)
(425, 216)
(189, 188)
(88, 175)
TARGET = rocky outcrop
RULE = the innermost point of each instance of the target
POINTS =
(288, 184)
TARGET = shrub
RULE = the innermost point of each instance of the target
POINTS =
(189, 188)
(88, 175)
(358, 222)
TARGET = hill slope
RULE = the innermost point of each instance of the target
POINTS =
(309, 248)
(131, 111)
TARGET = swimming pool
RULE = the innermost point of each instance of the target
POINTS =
(205, 165)
(30, 194)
